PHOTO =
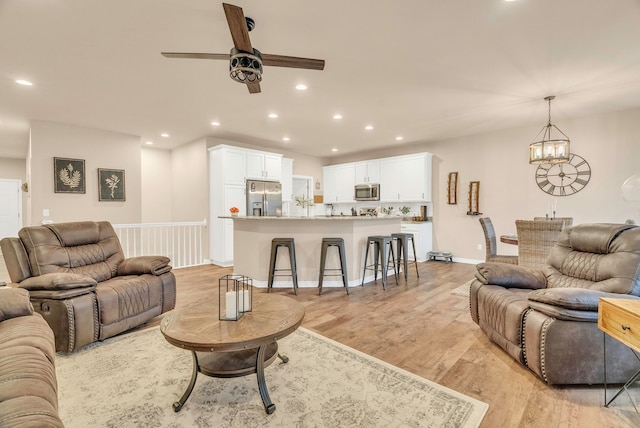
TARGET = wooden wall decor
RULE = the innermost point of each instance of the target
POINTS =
(474, 198)
(452, 188)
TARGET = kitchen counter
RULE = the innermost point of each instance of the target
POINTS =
(252, 246)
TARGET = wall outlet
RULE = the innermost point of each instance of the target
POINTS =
(479, 247)
(45, 212)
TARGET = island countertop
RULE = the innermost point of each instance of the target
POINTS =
(322, 217)
(252, 245)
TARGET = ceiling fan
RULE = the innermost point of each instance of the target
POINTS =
(245, 62)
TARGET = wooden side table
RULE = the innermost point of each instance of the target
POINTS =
(620, 319)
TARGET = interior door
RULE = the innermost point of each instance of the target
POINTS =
(10, 208)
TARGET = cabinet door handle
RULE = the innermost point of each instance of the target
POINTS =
(625, 327)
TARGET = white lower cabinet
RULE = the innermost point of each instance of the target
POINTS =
(423, 237)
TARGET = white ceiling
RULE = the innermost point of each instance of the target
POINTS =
(424, 69)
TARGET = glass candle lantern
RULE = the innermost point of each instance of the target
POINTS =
(235, 297)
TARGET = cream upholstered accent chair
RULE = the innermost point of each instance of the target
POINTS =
(491, 245)
(535, 240)
(547, 319)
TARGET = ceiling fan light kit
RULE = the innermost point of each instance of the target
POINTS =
(245, 62)
(548, 150)
(245, 67)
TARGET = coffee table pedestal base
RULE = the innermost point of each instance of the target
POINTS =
(234, 364)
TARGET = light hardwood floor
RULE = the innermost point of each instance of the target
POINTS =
(421, 327)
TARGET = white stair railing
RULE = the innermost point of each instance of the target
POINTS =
(180, 241)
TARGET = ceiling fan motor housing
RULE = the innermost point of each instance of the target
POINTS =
(245, 67)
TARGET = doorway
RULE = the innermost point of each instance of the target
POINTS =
(302, 187)
(10, 207)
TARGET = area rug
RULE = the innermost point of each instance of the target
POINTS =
(132, 381)
(463, 290)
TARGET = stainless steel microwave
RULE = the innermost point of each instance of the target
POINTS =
(367, 192)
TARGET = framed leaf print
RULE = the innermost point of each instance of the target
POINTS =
(111, 185)
(68, 175)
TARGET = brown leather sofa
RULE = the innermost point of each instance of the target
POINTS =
(28, 385)
(80, 282)
(547, 318)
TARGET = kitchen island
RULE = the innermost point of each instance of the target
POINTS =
(252, 246)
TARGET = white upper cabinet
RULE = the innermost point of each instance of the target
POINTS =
(234, 164)
(338, 183)
(401, 178)
(264, 166)
(367, 172)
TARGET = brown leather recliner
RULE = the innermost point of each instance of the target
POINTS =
(80, 282)
(547, 318)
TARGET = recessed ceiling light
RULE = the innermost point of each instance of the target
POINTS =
(301, 87)
(286, 139)
(334, 150)
(368, 127)
(164, 135)
(24, 82)
(273, 115)
(214, 123)
(399, 138)
(337, 116)
(149, 143)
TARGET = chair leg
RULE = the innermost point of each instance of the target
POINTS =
(294, 270)
(343, 267)
(393, 259)
(364, 271)
(272, 267)
(415, 256)
(323, 257)
(376, 253)
(383, 256)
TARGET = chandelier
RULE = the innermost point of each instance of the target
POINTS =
(549, 150)
(245, 67)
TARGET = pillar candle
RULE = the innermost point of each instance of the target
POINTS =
(231, 304)
(245, 305)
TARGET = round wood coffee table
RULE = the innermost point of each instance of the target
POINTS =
(233, 348)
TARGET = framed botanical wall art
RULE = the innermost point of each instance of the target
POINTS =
(111, 185)
(68, 175)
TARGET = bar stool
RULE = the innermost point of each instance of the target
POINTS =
(380, 244)
(277, 243)
(339, 244)
(402, 245)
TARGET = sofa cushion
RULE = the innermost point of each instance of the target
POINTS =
(52, 249)
(510, 276)
(610, 267)
(14, 302)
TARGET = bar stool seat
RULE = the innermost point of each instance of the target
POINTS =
(382, 255)
(277, 243)
(339, 244)
(402, 246)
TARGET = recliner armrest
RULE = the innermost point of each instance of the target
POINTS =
(510, 276)
(58, 281)
(154, 265)
(571, 304)
(14, 302)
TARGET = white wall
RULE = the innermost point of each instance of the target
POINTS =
(508, 190)
(156, 186)
(99, 149)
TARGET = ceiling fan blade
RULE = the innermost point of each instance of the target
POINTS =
(195, 55)
(254, 88)
(292, 62)
(238, 27)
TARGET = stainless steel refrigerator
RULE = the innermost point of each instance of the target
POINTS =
(264, 198)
